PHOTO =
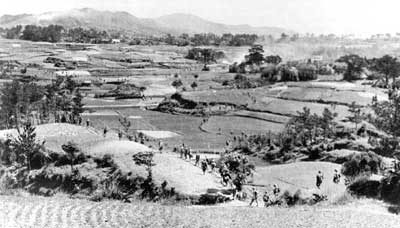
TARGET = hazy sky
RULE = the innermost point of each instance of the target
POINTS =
(316, 16)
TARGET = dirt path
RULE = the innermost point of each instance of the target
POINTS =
(60, 212)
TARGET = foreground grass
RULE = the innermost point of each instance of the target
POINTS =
(63, 212)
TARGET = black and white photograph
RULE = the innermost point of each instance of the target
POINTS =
(199, 114)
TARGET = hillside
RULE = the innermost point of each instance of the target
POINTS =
(124, 21)
(192, 24)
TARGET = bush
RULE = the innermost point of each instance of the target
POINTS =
(366, 162)
(363, 185)
(237, 68)
(270, 73)
(106, 162)
(391, 188)
(240, 77)
(177, 83)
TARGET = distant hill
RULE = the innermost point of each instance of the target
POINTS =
(123, 21)
(192, 24)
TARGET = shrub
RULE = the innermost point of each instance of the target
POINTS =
(363, 185)
(177, 83)
(366, 162)
(391, 188)
(240, 77)
(106, 162)
(270, 73)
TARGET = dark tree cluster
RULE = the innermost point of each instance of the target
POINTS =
(81, 35)
(51, 33)
(210, 39)
(205, 55)
(57, 33)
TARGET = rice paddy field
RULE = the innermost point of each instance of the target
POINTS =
(180, 128)
(236, 125)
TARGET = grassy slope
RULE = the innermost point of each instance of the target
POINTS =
(58, 134)
(301, 176)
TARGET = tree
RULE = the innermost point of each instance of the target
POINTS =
(14, 32)
(26, 147)
(270, 73)
(205, 55)
(193, 85)
(355, 65)
(177, 83)
(70, 84)
(303, 125)
(388, 66)
(356, 115)
(273, 59)
(284, 37)
(387, 116)
(18, 101)
(77, 106)
(255, 55)
(125, 123)
(72, 150)
(327, 122)
(148, 185)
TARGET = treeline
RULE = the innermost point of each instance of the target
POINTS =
(51, 33)
(209, 39)
(57, 33)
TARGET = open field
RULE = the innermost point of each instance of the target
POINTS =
(61, 212)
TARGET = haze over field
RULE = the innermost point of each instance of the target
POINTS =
(361, 17)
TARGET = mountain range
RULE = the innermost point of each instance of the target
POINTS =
(124, 21)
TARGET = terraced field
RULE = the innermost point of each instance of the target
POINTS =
(61, 212)
(187, 127)
(236, 125)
